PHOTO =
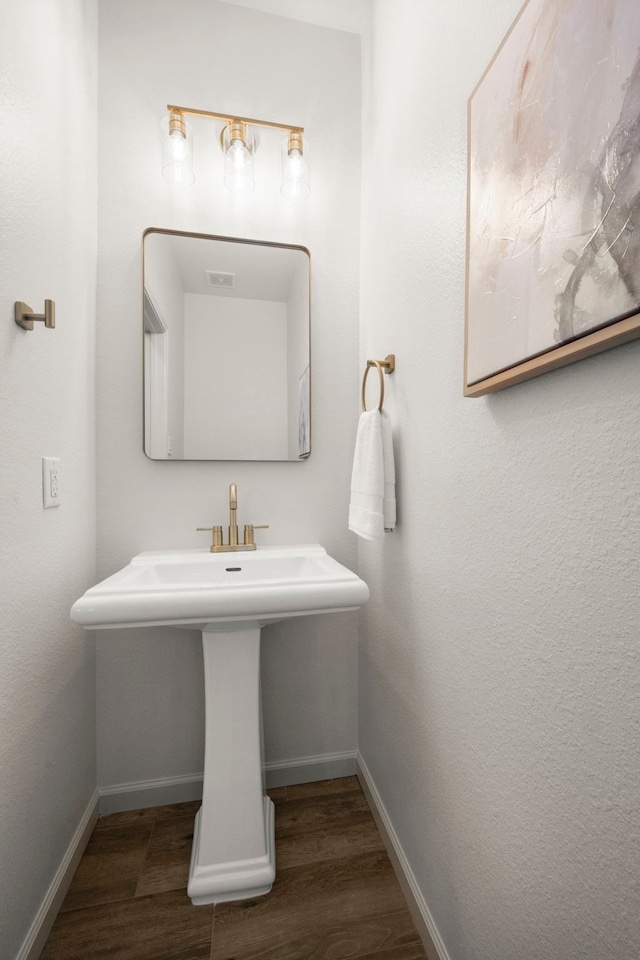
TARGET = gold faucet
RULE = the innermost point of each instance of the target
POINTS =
(233, 509)
(217, 540)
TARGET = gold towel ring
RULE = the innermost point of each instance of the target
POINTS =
(389, 363)
(372, 363)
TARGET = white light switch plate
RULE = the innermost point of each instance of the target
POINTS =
(51, 482)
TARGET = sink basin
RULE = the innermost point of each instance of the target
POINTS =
(199, 589)
(228, 597)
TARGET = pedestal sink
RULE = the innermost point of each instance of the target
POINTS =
(228, 597)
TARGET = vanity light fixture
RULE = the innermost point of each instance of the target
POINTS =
(238, 145)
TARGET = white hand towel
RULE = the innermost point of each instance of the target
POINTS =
(372, 506)
(389, 471)
(367, 479)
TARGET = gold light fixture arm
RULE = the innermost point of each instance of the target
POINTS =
(233, 118)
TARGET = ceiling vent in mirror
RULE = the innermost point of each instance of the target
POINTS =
(215, 278)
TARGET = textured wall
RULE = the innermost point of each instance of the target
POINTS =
(48, 240)
(218, 328)
(499, 676)
(221, 57)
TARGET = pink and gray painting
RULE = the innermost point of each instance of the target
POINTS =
(554, 182)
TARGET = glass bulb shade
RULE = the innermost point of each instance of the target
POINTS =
(295, 167)
(238, 145)
(177, 155)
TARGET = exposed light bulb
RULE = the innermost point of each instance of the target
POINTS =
(238, 153)
(177, 152)
(296, 164)
(238, 145)
(178, 147)
(295, 167)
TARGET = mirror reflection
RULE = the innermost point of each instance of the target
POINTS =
(226, 348)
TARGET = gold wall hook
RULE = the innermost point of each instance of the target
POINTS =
(24, 315)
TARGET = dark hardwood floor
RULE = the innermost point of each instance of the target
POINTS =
(335, 897)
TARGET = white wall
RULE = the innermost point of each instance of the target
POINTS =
(235, 378)
(48, 239)
(150, 682)
(498, 669)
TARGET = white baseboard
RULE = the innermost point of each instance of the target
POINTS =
(425, 924)
(278, 773)
(41, 927)
(327, 766)
(150, 793)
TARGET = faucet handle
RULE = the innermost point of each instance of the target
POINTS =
(216, 538)
(248, 532)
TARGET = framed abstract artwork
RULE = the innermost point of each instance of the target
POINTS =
(553, 216)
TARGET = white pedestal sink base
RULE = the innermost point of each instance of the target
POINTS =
(233, 855)
(231, 881)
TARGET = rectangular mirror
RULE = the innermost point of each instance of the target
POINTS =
(226, 348)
